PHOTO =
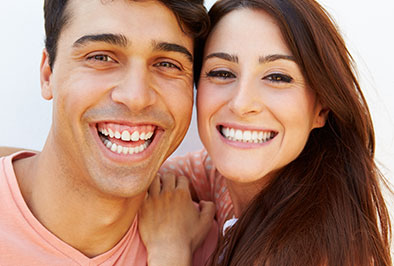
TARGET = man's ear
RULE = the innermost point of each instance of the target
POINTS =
(321, 116)
(45, 76)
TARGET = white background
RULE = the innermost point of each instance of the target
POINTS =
(25, 117)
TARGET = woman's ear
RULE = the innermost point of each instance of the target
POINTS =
(45, 76)
(321, 116)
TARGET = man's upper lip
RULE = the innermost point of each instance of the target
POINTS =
(129, 123)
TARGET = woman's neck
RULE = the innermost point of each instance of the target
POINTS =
(243, 193)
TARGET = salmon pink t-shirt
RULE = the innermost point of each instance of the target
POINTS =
(25, 241)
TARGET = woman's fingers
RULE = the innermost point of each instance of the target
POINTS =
(155, 187)
(168, 181)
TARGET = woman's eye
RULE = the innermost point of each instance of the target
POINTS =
(279, 78)
(167, 65)
(221, 74)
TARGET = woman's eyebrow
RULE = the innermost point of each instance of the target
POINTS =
(274, 57)
(224, 56)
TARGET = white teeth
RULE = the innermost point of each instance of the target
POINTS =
(125, 136)
(135, 136)
(255, 136)
(109, 144)
(125, 150)
(226, 132)
(238, 134)
(104, 132)
(148, 135)
(247, 135)
(120, 149)
(114, 147)
(111, 133)
(232, 133)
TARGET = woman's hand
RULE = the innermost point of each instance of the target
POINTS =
(171, 225)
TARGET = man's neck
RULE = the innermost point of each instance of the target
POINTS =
(87, 220)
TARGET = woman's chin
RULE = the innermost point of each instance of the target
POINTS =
(239, 174)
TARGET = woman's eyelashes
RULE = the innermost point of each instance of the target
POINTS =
(278, 78)
(220, 74)
(225, 74)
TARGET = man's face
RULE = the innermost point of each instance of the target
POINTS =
(122, 91)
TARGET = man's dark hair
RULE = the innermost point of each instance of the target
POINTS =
(191, 15)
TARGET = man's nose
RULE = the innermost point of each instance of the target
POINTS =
(135, 90)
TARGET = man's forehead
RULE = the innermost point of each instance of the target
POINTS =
(124, 17)
(74, 6)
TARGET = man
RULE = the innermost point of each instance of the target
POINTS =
(120, 74)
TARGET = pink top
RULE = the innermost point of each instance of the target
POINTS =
(208, 183)
(25, 241)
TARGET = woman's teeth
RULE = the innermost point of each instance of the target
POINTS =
(247, 135)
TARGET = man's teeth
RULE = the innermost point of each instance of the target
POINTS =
(126, 136)
(125, 150)
(247, 135)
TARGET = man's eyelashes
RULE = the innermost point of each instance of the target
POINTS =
(166, 64)
(101, 58)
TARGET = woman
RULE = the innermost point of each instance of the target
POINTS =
(284, 121)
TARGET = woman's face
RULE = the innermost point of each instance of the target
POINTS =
(255, 111)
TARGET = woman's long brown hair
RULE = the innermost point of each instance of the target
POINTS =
(325, 207)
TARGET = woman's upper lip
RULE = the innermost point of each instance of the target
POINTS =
(244, 127)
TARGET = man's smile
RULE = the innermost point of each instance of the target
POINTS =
(126, 139)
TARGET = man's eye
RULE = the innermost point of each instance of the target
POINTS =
(279, 78)
(101, 57)
(167, 65)
(221, 74)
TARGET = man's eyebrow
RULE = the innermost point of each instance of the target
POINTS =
(224, 56)
(173, 47)
(114, 39)
(274, 57)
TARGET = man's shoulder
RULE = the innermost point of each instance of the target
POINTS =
(7, 163)
(17, 155)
